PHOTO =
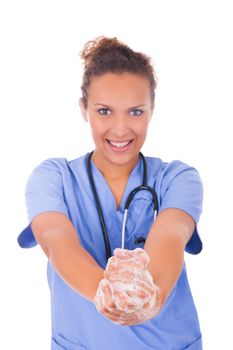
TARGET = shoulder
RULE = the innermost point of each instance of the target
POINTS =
(176, 176)
(169, 169)
(54, 172)
(60, 164)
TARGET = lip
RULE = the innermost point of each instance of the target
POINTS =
(119, 141)
(117, 149)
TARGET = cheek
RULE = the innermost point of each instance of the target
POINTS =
(141, 129)
(98, 129)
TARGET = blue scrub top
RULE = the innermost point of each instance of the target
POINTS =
(63, 186)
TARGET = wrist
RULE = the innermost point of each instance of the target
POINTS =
(98, 276)
(161, 297)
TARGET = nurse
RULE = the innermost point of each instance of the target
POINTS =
(138, 298)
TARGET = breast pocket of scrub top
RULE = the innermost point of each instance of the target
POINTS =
(139, 221)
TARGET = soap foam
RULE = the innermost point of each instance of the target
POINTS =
(135, 294)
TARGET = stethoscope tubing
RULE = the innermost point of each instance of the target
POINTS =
(98, 206)
(127, 203)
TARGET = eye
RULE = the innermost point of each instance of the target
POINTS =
(104, 111)
(137, 112)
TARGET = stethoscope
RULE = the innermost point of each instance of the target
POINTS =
(127, 204)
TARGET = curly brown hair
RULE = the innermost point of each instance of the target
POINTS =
(104, 54)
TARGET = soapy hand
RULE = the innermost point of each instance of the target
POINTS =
(127, 295)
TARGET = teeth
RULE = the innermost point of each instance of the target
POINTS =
(119, 144)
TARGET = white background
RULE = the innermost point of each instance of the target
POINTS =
(191, 46)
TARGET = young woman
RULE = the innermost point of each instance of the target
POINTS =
(117, 281)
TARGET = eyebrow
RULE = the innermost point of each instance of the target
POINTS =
(102, 104)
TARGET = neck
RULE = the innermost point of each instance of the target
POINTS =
(113, 171)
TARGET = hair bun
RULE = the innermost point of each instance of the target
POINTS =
(94, 47)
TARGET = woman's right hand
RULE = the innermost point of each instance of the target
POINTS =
(127, 294)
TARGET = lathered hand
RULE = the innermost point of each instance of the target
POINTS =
(127, 294)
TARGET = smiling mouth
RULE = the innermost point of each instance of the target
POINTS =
(118, 144)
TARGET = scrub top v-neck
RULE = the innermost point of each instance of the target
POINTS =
(103, 185)
(63, 186)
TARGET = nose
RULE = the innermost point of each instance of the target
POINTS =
(120, 126)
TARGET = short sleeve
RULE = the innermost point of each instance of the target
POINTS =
(43, 192)
(182, 188)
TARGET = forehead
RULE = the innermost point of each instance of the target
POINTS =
(129, 87)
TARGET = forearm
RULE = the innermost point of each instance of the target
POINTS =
(75, 265)
(166, 252)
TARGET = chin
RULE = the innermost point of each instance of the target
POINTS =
(122, 159)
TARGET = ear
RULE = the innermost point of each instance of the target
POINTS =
(83, 109)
